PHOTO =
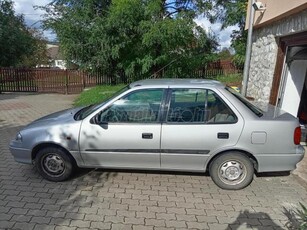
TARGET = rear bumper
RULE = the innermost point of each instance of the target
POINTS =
(21, 155)
(280, 162)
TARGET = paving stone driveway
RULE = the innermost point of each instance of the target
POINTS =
(98, 199)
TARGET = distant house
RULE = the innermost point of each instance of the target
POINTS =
(56, 59)
(278, 66)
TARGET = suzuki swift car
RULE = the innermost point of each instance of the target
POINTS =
(165, 124)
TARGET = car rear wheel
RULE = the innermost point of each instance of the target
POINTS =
(232, 171)
(54, 164)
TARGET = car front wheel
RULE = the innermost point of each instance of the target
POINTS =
(54, 164)
(232, 171)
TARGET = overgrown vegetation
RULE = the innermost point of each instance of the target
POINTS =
(297, 218)
(302, 213)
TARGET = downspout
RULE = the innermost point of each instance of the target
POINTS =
(248, 49)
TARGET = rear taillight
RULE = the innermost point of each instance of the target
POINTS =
(297, 135)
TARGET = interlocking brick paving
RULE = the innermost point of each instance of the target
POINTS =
(113, 199)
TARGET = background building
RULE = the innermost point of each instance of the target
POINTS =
(278, 66)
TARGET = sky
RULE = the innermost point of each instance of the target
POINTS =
(33, 17)
(223, 36)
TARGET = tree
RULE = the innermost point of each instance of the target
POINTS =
(225, 54)
(170, 33)
(39, 55)
(129, 36)
(16, 41)
(230, 13)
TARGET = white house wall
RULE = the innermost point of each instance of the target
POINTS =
(264, 54)
(60, 64)
(294, 86)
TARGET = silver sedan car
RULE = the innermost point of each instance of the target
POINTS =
(165, 124)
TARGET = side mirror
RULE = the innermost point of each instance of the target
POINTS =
(97, 120)
(93, 120)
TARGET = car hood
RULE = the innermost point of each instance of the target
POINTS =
(61, 117)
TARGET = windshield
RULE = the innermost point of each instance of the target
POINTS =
(248, 104)
(84, 112)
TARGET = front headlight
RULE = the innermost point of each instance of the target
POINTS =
(18, 137)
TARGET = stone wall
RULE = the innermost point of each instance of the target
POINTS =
(264, 53)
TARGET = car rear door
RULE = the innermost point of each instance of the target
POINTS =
(197, 123)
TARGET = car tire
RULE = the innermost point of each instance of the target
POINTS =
(54, 164)
(232, 171)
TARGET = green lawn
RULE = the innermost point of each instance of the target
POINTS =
(103, 92)
(230, 79)
(97, 94)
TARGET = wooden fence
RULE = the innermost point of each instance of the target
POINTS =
(74, 81)
(47, 80)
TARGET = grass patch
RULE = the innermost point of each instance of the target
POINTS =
(230, 79)
(97, 94)
(103, 92)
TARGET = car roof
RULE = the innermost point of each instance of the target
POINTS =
(178, 82)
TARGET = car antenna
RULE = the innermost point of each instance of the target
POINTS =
(176, 59)
(154, 74)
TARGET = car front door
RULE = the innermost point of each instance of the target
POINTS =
(198, 122)
(125, 134)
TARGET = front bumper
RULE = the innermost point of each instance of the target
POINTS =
(21, 155)
(280, 162)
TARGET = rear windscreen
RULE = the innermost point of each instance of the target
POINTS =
(249, 105)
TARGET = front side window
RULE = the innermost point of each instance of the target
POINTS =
(86, 111)
(141, 106)
(198, 106)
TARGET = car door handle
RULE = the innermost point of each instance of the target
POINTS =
(223, 135)
(147, 135)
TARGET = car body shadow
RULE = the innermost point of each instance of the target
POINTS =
(273, 174)
(83, 171)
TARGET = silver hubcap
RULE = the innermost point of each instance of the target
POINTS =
(232, 172)
(53, 165)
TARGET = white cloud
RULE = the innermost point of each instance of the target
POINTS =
(215, 28)
(33, 16)
(26, 7)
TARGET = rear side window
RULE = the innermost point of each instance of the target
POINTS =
(198, 106)
(218, 111)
